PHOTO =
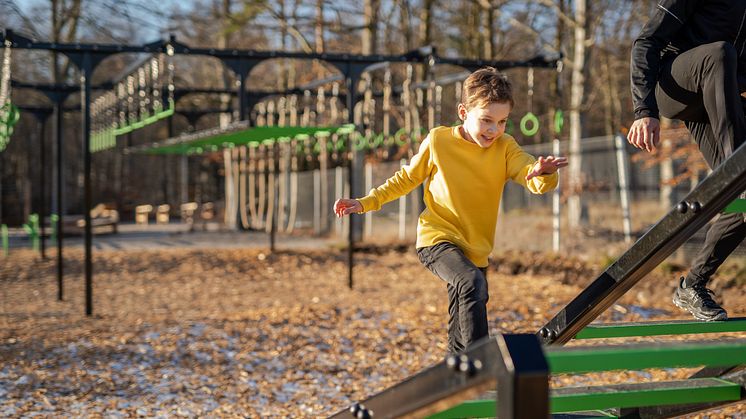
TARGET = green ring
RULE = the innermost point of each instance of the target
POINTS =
(509, 127)
(529, 117)
(359, 143)
(398, 135)
(380, 138)
(559, 121)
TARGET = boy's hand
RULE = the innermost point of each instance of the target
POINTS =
(546, 166)
(347, 206)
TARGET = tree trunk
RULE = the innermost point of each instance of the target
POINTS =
(319, 27)
(406, 25)
(426, 22)
(370, 30)
(487, 33)
(577, 94)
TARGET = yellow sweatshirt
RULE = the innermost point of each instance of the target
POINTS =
(463, 194)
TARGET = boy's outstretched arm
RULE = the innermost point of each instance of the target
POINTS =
(346, 206)
(546, 166)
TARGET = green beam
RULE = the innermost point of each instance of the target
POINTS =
(469, 409)
(676, 327)
(595, 399)
(232, 139)
(739, 205)
(696, 390)
(608, 358)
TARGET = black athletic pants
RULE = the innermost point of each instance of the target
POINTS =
(467, 293)
(700, 87)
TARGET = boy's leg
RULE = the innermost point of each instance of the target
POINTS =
(469, 297)
(455, 343)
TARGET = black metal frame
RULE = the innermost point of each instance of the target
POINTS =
(710, 197)
(430, 391)
(87, 57)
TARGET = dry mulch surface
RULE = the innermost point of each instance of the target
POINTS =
(243, 333)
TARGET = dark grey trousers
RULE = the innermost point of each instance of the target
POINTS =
(700, 87)
(467, 293)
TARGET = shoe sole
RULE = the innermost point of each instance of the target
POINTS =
(719, 318)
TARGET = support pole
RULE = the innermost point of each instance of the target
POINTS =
(58, 99)
(402, 209)
(60, 203)
(623, 171)
(42, 181)
(368, 230)
(86, 63)
(87, 69)
(556, 205)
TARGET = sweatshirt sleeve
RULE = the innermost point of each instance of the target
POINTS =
(518, 165)
(667, 19)
(402, 182)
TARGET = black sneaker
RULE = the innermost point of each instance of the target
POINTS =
(697, 300)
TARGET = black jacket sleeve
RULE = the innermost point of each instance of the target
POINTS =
(667, 19)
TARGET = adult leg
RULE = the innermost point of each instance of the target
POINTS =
(700, 86)
(467, 292)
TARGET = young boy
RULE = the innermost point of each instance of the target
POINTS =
(467, 167)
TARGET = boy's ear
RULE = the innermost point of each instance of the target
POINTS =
(461, 111)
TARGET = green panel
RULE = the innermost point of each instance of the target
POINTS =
(660, 328)
(247, 136)
(739, 205)
(713, 390)
(578, 360)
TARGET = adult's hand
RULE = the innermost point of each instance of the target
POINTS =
(645, 134)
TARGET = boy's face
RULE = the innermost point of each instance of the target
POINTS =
(484, 124)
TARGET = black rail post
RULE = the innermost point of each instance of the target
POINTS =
(60, 206)
(86, 62)
(522, 377)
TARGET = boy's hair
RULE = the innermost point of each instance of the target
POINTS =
(485, 86)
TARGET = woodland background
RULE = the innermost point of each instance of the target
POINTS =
(594, 37)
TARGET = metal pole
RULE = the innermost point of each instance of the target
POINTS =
(273, 224)
(368, 230)
(60, 208)
(351, 87)
(623, 171)
(42, 189)
(87, 69)
(556, 205)
(402, 209)
(317, 201)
